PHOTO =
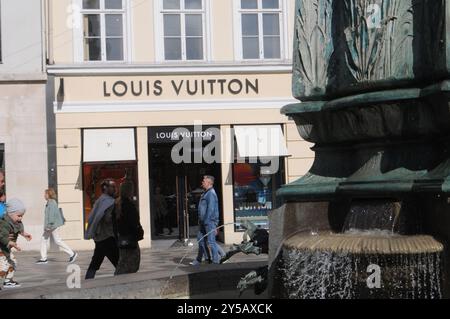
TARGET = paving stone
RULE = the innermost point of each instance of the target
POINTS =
(155, 263)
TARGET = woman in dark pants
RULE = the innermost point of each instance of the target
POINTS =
(101, 229)
(128, 231)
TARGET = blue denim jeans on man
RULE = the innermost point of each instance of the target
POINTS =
(208, 249)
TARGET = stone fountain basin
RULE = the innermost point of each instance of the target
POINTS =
(364, 243)
(360, 265)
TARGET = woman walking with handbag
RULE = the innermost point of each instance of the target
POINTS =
(128, 230)
(53, 220)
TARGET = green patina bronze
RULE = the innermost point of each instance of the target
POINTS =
(373, 78)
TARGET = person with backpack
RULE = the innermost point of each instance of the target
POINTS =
(53, 220)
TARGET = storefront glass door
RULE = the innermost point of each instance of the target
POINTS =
(188, 196)
(176, 191)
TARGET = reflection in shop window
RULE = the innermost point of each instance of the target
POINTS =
(95, 173)
(255, 193)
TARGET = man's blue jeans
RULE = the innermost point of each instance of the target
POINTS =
(207, 247)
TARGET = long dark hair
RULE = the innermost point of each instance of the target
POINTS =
(126, 193)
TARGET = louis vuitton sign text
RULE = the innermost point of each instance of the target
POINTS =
(195, 87)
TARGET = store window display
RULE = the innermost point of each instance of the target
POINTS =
(255, 193)
(95, 173)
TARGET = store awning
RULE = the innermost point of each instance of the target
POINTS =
(265, 141)
(109, 145)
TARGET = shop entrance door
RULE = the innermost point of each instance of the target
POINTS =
(188, 197)
(175, 194)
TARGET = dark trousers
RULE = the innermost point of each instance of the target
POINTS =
(105, 248)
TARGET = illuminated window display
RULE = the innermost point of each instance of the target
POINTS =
(254, 193)
(94, 174)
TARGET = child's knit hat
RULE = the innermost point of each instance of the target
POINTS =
(15, 206)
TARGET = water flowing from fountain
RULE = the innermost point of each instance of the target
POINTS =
(340, 266)
(370, 215)
(328, 274)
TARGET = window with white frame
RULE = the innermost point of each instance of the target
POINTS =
(260, 26)
(103, 30)
(183, 29)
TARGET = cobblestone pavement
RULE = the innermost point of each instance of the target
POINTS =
(158, 262)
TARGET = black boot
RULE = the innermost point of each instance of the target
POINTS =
(90, 274)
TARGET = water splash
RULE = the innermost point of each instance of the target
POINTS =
(369, 215)
(335, 266)
(338, 275)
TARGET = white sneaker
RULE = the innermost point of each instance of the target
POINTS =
(73, 258)
(195, 262)
(10, 284)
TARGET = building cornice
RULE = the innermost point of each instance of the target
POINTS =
(164, 106)
(100, 69)
(6, 78)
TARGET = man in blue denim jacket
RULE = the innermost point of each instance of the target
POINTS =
(208, 216)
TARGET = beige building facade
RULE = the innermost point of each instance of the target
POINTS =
(133, 80)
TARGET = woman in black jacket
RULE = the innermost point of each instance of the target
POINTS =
(128, 230)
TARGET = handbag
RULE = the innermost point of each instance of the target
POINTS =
(125, 242)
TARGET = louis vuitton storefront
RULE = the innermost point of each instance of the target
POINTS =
(164, 132)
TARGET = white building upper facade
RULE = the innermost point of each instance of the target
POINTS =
(172, 32)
